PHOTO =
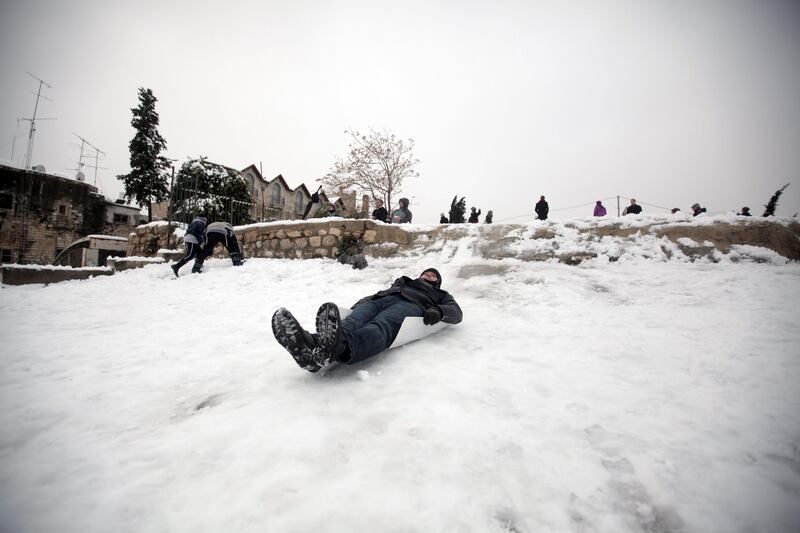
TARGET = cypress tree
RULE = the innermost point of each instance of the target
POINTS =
(147, 180)
(773, 202)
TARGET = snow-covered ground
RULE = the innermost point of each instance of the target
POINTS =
(608, 397)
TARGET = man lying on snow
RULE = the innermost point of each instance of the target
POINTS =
(371, 327)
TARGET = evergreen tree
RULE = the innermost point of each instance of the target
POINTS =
(221, 192)
(773, 202)
(147, 181)
(457, 209)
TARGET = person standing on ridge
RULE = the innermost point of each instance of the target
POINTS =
(542, 209)
(402, 215)
(473, 216)
(599, 209)
(633, 209)
(380, 212)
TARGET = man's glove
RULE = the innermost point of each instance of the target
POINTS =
(432, 316)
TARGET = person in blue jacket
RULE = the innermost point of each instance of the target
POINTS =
(193, 241)
(372, 326)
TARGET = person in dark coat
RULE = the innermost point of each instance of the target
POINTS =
(193, 241)
(697, 210)
(633, 209)
(745, 212)
(402, 215)
(473, 216)
(380, 212)
(219, 233)
(542, 209)
(371, 327)
(313, 204)
(443, 219)
(489, 216)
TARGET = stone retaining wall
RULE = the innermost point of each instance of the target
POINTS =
(320, 237)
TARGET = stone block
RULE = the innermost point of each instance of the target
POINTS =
(328, 240)
(274, 243)
(370, 236)
(286, 244)
(293, 234)
(334, 231)
(280, 234)
(315, 242)
(300, 243)
(322, 252)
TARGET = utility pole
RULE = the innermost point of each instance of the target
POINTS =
(618, 206)
(29, 153)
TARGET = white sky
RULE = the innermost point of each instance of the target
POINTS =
(670, 102)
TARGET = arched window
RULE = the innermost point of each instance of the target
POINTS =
(276, 194)
(298, 202)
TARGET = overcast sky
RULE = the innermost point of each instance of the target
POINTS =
(670, 102)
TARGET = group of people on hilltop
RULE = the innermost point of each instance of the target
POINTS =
(542, 209)
(200, 240)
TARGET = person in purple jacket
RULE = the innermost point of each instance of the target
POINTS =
(599, 209)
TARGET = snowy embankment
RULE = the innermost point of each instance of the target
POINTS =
(630, 396)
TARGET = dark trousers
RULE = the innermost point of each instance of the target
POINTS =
(191, 252)
(373, 325)
(230, 244)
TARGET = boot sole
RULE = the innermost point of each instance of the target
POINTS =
(328, 326)
(286, 330)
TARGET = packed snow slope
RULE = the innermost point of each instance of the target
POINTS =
(638, 395)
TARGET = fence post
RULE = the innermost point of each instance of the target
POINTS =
(169, 205)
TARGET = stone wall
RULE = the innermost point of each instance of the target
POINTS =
(319, 238)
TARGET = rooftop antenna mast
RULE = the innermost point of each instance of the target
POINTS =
(97, 152)
(29, 153)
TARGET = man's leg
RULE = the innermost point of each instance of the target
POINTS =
(233, 249)
(191, 251)
(378, 333)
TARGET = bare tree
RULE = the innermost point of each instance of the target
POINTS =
(376, 163)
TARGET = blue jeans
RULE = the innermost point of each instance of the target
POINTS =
(373, 325)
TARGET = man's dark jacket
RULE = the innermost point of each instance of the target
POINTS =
(542, 209)
(380, 214)
(425, 295)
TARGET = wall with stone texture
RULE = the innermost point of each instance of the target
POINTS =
(319, 237)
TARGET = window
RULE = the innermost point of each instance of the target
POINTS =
(298, 202)
(62, 210)
(6, 256)
(276, 194)
(5, 201)
(120, 219)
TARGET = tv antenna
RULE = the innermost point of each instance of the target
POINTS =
(38, 93)
(97, 152)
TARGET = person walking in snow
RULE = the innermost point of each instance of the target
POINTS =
(402, 215)
(489, 216)
(599, 209)
(443, 219)
(745, 212)
(697, 210)
(541, 209)
(633, 209)
(193, 241)
(473, 216)
(219, 233)
(370, 328)
(380, 212)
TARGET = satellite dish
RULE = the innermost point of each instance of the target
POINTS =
(80, 176)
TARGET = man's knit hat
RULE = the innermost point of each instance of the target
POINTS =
(438, 283)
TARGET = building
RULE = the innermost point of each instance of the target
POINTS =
(41, 214)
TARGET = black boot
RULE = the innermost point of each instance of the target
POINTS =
(297, 341)
(331, 341)
(175, 269)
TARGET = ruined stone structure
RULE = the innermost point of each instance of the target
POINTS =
(41, 214)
